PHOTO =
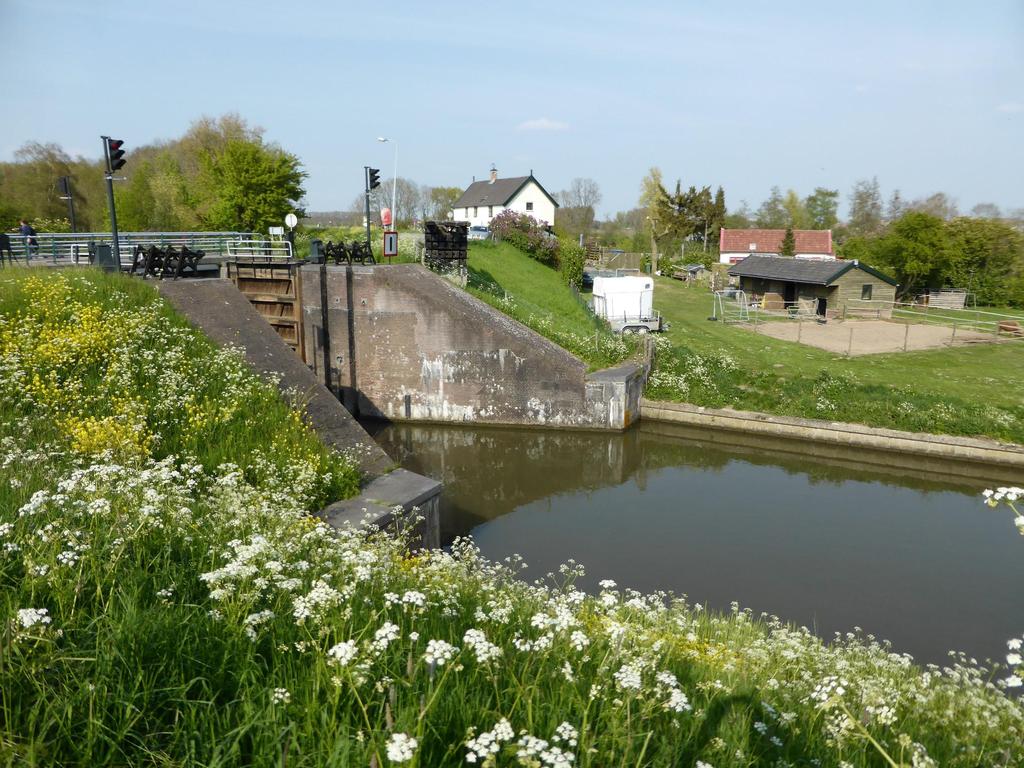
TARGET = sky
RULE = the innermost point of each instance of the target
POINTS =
(926, 95)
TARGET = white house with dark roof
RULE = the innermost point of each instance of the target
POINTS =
(483, 200)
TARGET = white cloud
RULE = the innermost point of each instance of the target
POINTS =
(1010, 106)
(543, 124)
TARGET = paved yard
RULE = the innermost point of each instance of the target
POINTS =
(869, 336)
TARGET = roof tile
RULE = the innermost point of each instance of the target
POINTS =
(770, 240)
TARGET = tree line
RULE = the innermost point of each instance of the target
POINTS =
(221, 175)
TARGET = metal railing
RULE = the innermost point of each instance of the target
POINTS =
(259, 248)
(967, 319)
(74, 247)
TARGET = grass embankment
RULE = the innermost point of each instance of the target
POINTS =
(177, 612)
(972, 391)
(535, 295)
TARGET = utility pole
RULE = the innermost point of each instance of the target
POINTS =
(366, 179)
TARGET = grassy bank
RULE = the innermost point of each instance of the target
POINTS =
(165, 608)
(535, 295)
(972, 391)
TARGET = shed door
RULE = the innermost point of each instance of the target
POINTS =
(789, 294)
(822, 306)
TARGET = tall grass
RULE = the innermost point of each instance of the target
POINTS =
(165, 611)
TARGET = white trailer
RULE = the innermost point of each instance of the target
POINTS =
(627, 303)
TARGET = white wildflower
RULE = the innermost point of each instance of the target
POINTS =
(489, 742)
(281, 696)
(29, 617)
(342, 654)
(439, 652)
(414, 598)
(628, 677)
(566, 733)
(255, 620)
(484, 650)
(401, 747)
(384, 636)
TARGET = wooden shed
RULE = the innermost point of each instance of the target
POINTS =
(834, 288)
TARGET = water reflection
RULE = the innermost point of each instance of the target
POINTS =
(898, 546)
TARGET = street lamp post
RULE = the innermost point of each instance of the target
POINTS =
(394, 181)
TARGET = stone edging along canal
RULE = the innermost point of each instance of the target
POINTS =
(990, 452)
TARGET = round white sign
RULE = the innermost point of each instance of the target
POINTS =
(291, 220)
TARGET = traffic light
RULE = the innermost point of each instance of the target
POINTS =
(64, 185)
(114, 153)
(374, 178)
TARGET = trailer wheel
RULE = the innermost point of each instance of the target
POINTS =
(642, 329)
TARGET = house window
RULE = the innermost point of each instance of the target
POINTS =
(865, 292)
(490, 210)
(529, 206)
(474, 211)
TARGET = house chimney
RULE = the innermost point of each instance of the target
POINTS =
(494, 174)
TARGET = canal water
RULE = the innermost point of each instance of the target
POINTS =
(831, 539)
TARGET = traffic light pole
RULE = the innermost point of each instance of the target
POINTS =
(114, 156)
(115, 245)
(366, 174)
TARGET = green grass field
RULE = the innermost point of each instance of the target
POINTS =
(992, 372)
(535, 294)
(975, 390)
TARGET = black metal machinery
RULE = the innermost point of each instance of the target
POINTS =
(445, 245)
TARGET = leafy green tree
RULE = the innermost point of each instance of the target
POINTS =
(250, 185)
(822, 207)
(29, 184)
(651, 189)
(989, 253)
(719, 212)
(796, 210)
(772, 213)
(918, 251)
(788, 247)
(135, 202)
(442, 201)
(679, 215)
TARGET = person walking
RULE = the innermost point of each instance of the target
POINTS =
(27, 232)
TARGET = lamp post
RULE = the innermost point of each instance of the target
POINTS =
(394, 181)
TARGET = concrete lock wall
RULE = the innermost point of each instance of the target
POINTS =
(389, 498)
(402, 343)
